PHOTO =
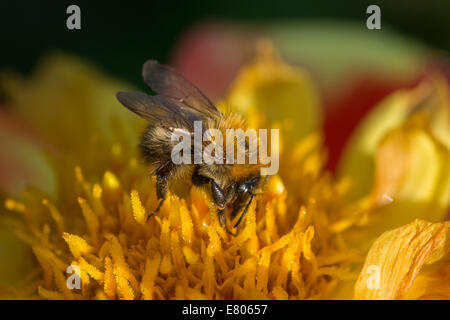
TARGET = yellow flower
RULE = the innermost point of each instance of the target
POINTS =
(182, 253)
(297, 241)
(99, 223)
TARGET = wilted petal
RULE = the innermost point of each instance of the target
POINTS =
(432, 284)
(396, 258)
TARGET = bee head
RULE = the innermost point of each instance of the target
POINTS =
(225, 188)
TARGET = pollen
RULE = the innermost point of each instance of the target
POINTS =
(180, 253)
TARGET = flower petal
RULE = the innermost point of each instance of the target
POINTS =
(358, 157)
(283, 93)
(397, 257)
(412, 173)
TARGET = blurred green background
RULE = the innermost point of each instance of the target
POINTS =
(118, 36)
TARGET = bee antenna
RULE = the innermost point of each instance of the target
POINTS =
(248, 204)
(245, 211)
(156, 210)
(265, 181)
(229, 232)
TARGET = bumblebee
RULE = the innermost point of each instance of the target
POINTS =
(176, 105)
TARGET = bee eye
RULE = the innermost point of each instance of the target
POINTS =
(217, 194)
(244, 187)
(249, 185)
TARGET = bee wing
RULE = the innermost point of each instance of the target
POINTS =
(166, 81)
(159, 110)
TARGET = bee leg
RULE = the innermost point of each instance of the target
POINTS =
(222, 217)
(158, 170)
(161, 192)
(223, 221)
(157, 209)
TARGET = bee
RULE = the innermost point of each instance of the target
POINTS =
(176, 105)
